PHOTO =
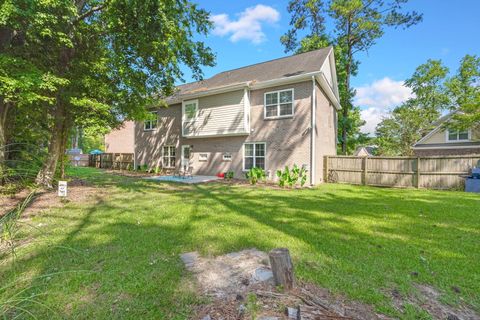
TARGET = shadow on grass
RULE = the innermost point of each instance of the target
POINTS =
(360, 241)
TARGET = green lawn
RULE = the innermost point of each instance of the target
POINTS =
(117, 256)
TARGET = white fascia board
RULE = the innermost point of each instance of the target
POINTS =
(328, 90)
(333, 70)
(428, 135)
(229, 88)
(217, 135)
(446, 147)
(282, 81)
(434, 130)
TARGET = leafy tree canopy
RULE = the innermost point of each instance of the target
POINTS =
(357, 25)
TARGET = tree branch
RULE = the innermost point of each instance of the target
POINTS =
(91, 11)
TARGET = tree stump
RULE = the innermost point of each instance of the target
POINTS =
(282, 268)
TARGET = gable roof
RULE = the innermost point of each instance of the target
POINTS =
(370, 150)
(281, 68)
(437, 125)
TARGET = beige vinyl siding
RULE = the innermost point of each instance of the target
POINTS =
(327, 71)
(437, 137)
(220, 114)
(440, 137)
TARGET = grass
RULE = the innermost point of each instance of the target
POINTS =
(117, 256)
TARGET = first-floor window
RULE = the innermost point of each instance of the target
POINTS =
(254, 155)
(457, 135)
(168, 156)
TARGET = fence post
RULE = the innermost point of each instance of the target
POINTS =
(417, 184)
(365, 171)
(325, 178)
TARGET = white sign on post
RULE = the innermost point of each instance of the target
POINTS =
(62, 188)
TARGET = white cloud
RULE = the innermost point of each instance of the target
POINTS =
(377, 98)
(249, 23)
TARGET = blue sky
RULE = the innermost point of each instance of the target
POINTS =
(248, 32)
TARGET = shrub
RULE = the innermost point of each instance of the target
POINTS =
(228, 175)
(255, 174)
(292, 177)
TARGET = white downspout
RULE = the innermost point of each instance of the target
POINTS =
(312, 132)
(134, 146)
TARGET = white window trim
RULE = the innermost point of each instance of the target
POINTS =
(163, 156)
(278, 104)
(184, 120)
(243, 155)
(149, 121)
(447, 136)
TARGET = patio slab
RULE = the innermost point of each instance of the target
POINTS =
(189, 180)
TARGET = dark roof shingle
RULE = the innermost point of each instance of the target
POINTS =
(274, 69)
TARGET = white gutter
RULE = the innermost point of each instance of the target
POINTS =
(228, 88)
(312, 133)
(280, 81)
(248, 84)
(474, 146)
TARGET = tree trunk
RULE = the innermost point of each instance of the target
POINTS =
(282, 268)
(47, 173)
(4, 108)
(63, 148)
(346, 107)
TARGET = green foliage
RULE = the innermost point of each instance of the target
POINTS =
(347, 222)
(357, 25)
(92, 63)
(143, 167)
(255, 174)
(407, 123)
(400, 130)
(252, 305)
(291, 177)
(463, 89)
(433, 93)
(229, 175)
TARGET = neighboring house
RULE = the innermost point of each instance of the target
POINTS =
(367, 151)
(121, 140)
(260, 115)
(447, 142)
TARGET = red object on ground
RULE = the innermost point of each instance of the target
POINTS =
(221, 175)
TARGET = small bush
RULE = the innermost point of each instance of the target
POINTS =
(255, 174)
(292, 177)
(228, 175)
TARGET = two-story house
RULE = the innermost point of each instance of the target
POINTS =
(268, 115)
(442, 141)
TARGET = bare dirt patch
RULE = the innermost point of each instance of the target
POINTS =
(232, 280)
(78, 191)
(428, 299)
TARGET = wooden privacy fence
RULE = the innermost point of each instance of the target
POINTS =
(425, 172)
(117, 161)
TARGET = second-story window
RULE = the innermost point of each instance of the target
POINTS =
(151, 122)
(189, 114)
(278, 104)
(458, 135)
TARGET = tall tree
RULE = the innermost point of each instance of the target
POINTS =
(464, 91)
(406, 124)
(113, 55)
(358, 24)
